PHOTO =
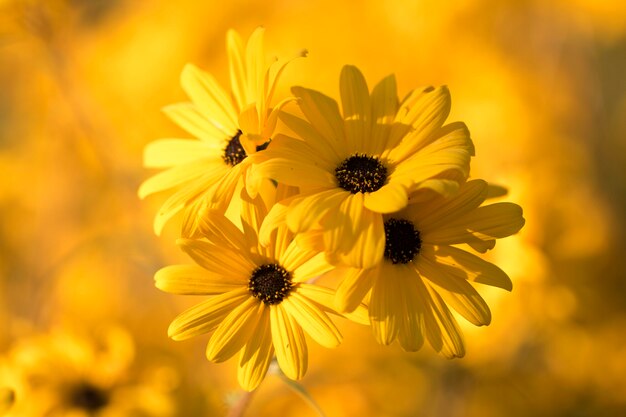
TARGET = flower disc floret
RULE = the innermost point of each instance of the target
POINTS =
(361, 173)
(402, 241)
(270, 283)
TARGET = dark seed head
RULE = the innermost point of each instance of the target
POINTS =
(88, 397)
(270, 283)
(234, 153)
(361, 174)
(402, 241)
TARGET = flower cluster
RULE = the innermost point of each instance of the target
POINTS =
(370, 193)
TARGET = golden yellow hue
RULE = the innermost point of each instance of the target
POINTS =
(355, 165)
(261, 304)
(227, 126)
(423, 272)
(539, 84)
(63, 374)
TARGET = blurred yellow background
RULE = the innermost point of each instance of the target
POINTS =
(540, 85)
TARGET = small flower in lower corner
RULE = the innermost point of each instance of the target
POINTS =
(64, 373)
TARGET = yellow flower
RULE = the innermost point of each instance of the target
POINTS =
(353, 168)
(228, 127)
(63, 374)
(261, 301)
(423, 271)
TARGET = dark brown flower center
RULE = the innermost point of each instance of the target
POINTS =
(402, 241)
(234, 153)
(88, 397)
(361, 173)
(270, 283)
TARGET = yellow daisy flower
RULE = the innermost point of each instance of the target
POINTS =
(64, 374)
(261, 303)
(353, 166)
(423, 271)
(228, 127)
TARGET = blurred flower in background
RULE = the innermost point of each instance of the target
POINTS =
(539, 84)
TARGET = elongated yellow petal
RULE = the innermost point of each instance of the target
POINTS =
(312, 268)
(356, 283)
(325, 298)
(181, 174)
(464, 265)
(457, 293)
(386, 304)
(355, 235)
(235, 330)
(189, 117)
(257, 354)
(389, 198)
(411, 333)
(306, 210)
(289, 343)
(323, 114)
(256, 68)
(219, 230)
(204, 317)
(312, 320)
(237, 67)
(355, 101)
(436, 212)
(384, 105)
(210, 98)
(165, 153)
(217, 258)
(441, 328)
(493, 221)
(191, 279)
(424, 110)
(326, 148)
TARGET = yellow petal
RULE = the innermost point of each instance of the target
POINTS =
(289, 343)
(189, 117)
(386, 303)
(410, 335)
(437, 212)
(191, 279)
(424, 110)
(441, 329)
(210, 98)
(331, 149)
(313, 267)
(235, 330)
(355, 235)
(219, 230)
(218, 258)
(322, 112)
(178, 175)
(457, 293)
(313, 320)
(465, 265)
(204, 317)
(325, 297)
(306, 210)
(384, 104)
(237, 67)
(355, 284)
(355, 101)
(493, 221)
(255, 64)
(257, 355)
(165, 153)
(389, 198)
